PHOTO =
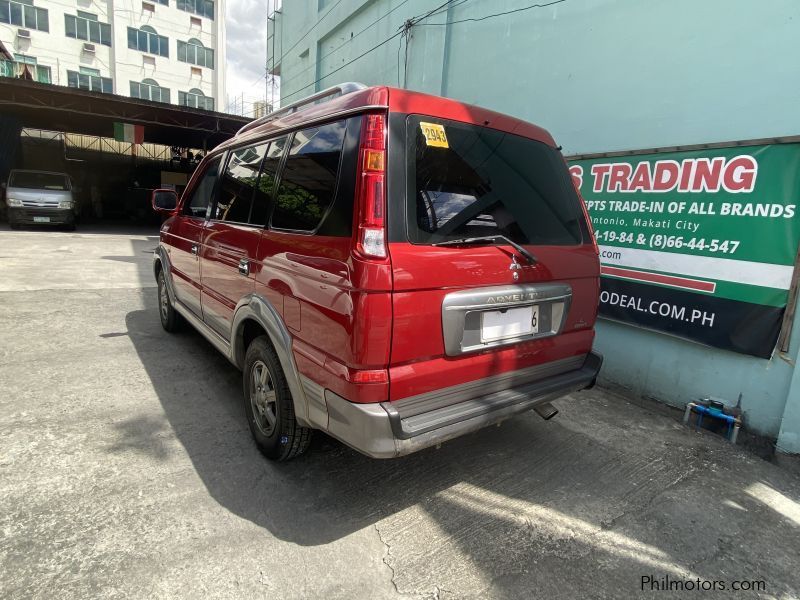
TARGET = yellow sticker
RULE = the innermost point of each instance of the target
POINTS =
(434, 134)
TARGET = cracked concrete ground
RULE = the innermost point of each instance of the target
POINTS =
(127, 471)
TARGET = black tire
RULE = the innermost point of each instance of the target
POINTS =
(282, 438)
(14, 225)
(170, 319)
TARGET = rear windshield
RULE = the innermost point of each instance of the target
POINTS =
(470, 181)
(38, 181)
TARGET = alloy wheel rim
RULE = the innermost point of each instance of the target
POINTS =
(163, 300)
(263, 400)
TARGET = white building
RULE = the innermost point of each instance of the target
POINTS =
(163, 50)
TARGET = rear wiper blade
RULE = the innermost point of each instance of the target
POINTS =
(489, 238)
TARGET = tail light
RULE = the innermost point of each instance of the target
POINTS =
(371, 188)
(589, 224)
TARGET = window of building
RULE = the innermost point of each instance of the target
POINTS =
(146, 39)
(196, 99)
(308, 179)
(25, 67)
(198, 204)
(194, 53)
(204, 8)
(85, 26)
(90, 80)
(148, 89)
(24, 14)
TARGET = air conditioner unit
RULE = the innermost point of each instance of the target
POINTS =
(24, 34)
(90, 48)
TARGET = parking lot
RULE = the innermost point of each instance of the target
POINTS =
(127, 471)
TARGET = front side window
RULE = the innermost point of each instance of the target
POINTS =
(24, 14)
(194, 53)
(147, 40)
(149, 90)
(204, 8)
(471, 181)
(263, 196)
(202, 195)
(238, 184)
(85, 26)
(308, 180)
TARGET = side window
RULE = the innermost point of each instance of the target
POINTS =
(308, 179)
(262, 199)
(202, 194)
(238, 182)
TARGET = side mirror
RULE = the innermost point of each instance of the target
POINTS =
(164, 200)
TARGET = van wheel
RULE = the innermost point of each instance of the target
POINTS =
(170, 320)
(268, 404)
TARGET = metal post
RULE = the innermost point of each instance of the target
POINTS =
(688, 413)
(735, 432)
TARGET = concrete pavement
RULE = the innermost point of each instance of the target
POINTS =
(127, 471)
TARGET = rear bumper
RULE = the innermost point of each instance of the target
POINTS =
(29, 216)
(391, 429)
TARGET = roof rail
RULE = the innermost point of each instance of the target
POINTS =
(329, 93)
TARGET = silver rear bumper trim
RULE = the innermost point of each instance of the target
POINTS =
(382, 431)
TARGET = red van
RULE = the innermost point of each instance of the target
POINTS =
(392, 268)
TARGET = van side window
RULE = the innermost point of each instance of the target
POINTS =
(308, 179)
(262, 200)
(238, 184)
(198, 204)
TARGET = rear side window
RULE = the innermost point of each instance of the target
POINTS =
(39, 181)
(471, 181)
(308, 179)
(238, 184)
(198, 204)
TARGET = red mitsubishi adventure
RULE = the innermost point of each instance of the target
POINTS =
(392, 268)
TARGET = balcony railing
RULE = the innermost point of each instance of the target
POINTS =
(22, 70)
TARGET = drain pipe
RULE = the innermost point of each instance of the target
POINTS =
(734, 423)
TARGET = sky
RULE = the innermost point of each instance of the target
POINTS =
(246, 24)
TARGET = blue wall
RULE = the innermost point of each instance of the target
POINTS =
(601, 75)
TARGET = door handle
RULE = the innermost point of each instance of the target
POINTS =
(244, 267)
(195, 248)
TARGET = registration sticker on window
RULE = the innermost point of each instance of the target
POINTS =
(434, 134)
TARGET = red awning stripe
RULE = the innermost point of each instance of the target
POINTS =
(671, 280)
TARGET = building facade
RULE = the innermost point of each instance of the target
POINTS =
(163, 50)
(601, 76)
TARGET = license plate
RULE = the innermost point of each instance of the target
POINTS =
(41, 219)
(511, 323)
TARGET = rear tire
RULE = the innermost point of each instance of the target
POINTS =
(14, 225)
(170, 319)
(268, 404)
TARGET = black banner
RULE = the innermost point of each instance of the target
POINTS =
(719, 322)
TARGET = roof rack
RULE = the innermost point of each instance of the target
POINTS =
(329, 94)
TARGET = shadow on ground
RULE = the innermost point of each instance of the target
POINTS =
(593, 500)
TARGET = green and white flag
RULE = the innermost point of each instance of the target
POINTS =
(125, 132)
